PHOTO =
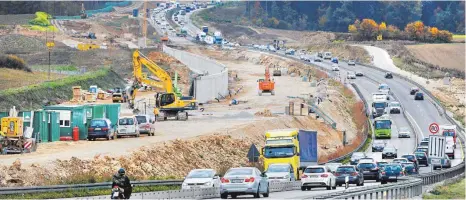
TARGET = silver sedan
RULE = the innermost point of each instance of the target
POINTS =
(244, 181)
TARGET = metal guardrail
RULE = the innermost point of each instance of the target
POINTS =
(56, 188)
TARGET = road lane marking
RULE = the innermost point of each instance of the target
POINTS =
(415, 123)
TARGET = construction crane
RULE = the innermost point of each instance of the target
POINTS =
(266, 85)
(167, 104)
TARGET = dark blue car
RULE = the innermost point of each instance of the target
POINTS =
(354, 176)
(391, 172)
(335, 60)
(409, 168)
(100, 128)
(370, 171)
(419, 96)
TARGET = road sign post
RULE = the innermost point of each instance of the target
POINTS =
(434, 128)
(436, 151)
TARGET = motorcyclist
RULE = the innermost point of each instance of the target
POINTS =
(122, 181)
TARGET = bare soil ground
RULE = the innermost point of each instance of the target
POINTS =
(229, 130)
(443, 55)
(10, 78)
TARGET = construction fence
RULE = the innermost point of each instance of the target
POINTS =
(211, 79)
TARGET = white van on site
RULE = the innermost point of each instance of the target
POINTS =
(128, 126)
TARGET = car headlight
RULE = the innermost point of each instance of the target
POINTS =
(208, 183)
(286, 177)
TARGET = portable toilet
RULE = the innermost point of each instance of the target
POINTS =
(93, 89)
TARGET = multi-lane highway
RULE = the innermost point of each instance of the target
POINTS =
(418, 114)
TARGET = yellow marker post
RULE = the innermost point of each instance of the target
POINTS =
(50, 45)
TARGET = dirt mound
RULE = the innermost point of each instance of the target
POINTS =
(265, 113)
(12, 44)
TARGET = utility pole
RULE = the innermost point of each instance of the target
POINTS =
(144, 26)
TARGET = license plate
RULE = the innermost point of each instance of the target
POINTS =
(392, 177)
(314, 176)
(236, 181)
(115, 194)
(98, 129)
(123, 130)
(366, 172)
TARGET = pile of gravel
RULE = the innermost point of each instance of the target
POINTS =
(18, 44)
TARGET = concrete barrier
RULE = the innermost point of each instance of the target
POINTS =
(211, 80)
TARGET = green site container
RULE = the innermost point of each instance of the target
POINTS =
(99, 111)
(54, 126)
(44, 127)
(72, 116)
(113, 112)
(3, 114)
(27, 116)
(36, 122)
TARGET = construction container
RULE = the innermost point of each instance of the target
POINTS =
(113, 112)
(3, 114)
(98, 111)
(54, 126)
(72, 116)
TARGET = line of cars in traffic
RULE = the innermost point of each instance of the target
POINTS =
(126, 126)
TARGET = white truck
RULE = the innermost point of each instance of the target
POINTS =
(379, 104)
(383, 88)
(449, 131)
(327, 55)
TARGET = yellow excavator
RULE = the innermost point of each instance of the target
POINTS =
(167, 104)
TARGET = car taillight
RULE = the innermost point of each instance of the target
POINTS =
(90, 129)
(354, 174)
(383, 172)
(249, 180)
(224, 180)
(337, 174)
(304, 176)
(414, 170)
(324, 175)
(105, 129)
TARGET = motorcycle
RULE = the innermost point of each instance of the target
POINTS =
(117, 193)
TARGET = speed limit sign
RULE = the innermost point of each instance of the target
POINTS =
(434, 128)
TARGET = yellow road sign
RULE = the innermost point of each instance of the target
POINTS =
(50, 44)
(379, 37)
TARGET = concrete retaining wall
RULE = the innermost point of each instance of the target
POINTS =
(212, 77)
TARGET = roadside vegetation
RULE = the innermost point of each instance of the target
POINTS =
(84, 192)
(368, 29)
(13, 62)
(451, 191)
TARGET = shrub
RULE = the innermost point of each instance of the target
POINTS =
(13, 62)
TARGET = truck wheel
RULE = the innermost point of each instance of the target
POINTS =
(224, 195)
(303, 188)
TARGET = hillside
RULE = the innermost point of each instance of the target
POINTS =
(35, 96)
(337, 15)
(9, 78)
(449, 56)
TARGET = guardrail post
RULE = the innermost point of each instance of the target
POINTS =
(376, 195)
(365, 196)
(370, 195)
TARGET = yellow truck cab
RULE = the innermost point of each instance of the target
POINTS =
(293, 146)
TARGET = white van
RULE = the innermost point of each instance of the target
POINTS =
(450, 147)
(127, 126)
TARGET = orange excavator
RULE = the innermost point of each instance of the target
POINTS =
(266, 85)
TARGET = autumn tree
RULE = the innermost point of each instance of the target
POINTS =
(415, 30)
(368, 29)
(352, 28)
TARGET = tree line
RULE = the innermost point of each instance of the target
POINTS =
(337, 16)
(368, 29)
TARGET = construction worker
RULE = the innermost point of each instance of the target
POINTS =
(122, 181)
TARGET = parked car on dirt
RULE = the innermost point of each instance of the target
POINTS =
(128, 126)
(100, 128)
(145, 124)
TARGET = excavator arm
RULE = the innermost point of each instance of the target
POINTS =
(139, 60)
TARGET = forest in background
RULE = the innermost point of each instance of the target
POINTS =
(338, 15)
